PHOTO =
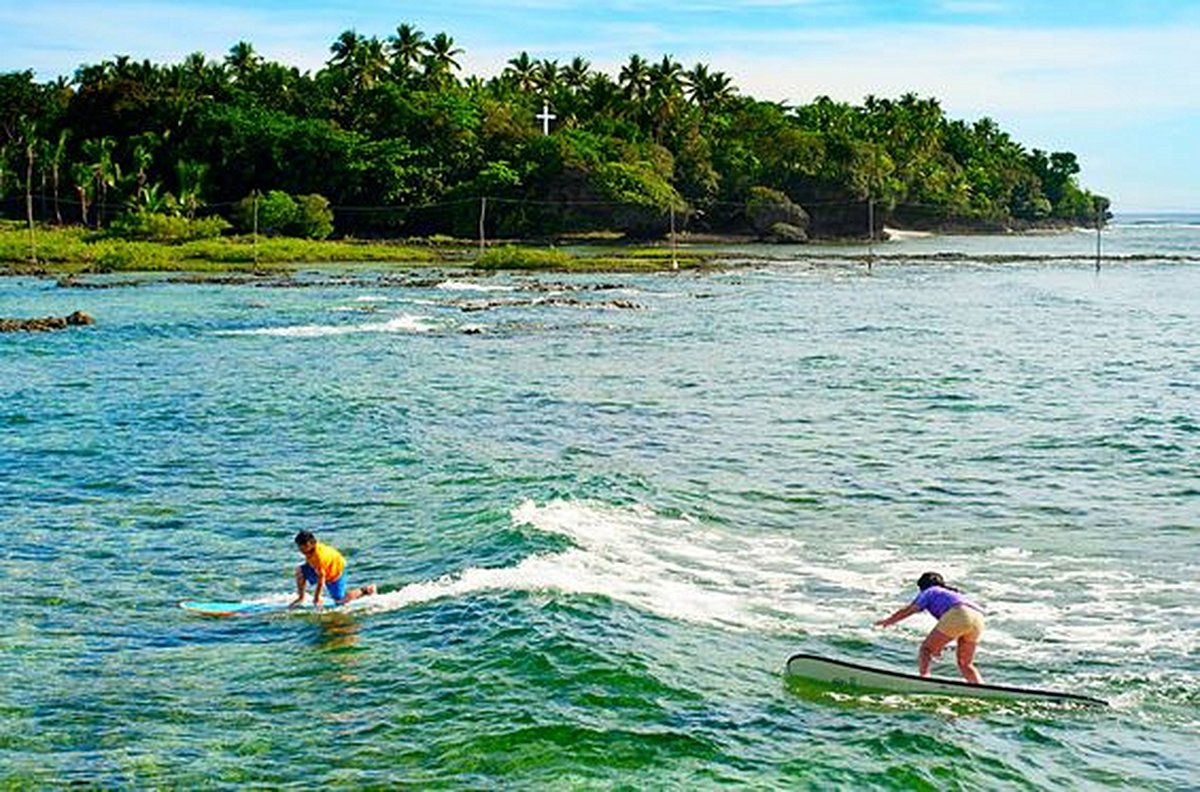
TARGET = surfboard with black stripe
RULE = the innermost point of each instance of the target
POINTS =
(842, 673)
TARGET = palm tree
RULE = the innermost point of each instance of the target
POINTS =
(205, 79)
(440, 64)
(359, 59)
(29, 134)
(635, 78)
(666, 77)
(407, 49)
(522, 70)
(105, 170)
(84, 180)
(242, 60)
(371, 63)
(601, 94)
(58, 153)
(190, 176)
(575, 74)
(665, 95)
(707, 90)
(345, 50)
(94, 74)
(547, 75)
(144, 147)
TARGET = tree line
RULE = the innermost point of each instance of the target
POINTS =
(388, 138)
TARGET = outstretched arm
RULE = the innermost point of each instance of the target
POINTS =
(317, 589)
(300, 581)
(900, 615)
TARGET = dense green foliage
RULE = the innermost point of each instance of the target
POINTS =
(387, 139)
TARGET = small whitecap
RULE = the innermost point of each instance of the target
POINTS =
(399, 324)
(465, 285)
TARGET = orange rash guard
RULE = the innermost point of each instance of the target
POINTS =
(327, 561)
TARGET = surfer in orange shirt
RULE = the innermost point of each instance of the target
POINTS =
(325, 568)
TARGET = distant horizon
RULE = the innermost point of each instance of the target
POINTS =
(1118, 89)
(1156, 213)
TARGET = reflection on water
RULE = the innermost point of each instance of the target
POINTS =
(335, 633)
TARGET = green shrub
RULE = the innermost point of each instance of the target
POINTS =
(509, 257)
(644, 199)
(314, 218)
(280, 214)
(121, 256)
(158, 227)
(270, 214)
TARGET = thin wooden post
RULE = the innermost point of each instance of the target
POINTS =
(256, 229)
(29, 199)
(482, 217)
(674, 258)
(1098, 224)
(870, 232)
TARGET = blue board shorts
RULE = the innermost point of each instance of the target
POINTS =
(335, 588)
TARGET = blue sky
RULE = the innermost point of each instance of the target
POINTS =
(1115, 81)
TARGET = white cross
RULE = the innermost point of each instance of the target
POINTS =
(545, 117)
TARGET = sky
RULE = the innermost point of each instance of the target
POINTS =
(1115, 81)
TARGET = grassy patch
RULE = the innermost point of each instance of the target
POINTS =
(510, 257)
(75, 249)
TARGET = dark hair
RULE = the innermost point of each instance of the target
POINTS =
(304, 537)
(932, 579)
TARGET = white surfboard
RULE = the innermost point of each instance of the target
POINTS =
(841, 673)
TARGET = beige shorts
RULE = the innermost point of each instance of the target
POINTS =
(961, 622)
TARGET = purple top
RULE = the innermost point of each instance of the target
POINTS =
(938, 600)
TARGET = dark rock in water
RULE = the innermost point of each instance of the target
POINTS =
(74, 282)
(517, 302)
(45, 323)
(786, 232)
(775, 218)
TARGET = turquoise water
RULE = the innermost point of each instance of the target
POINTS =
(601, 530)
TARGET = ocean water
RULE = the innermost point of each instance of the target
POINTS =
(603, 511)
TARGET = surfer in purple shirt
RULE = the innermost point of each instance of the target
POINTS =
(959, 620)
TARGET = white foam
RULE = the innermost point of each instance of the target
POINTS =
(671, 566)
(1010, 552)
(734, 577)
(399, 324)
(466, 285)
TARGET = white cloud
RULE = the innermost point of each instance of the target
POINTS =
(976, 68)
